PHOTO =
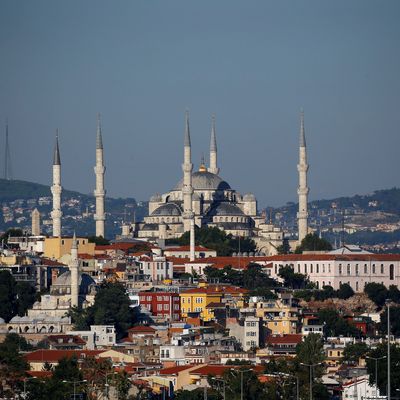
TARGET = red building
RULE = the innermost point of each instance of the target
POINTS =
(162, 304)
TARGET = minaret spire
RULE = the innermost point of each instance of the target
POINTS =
(99, 192)
(187, 168)
(302, 191)
(213, 148)
(74, 269)
(56, 190)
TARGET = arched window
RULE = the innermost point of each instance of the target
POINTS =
(391, 272)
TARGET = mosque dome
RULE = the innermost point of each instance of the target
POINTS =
(225, 209)
(249, 197)
(85, 281)
(167, 210)
(204, 180)
(156, 198)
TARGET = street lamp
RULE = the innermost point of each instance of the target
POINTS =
(223, 386)
(388, 348)
(297, 382)
(75, 383)
(376, 371)
(241, 372)
(107, 385)
(311, 366)
(27, 379)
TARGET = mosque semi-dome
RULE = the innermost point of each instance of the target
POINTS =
(204, 180)
(225, 209)
(85, 281)
(167, 210)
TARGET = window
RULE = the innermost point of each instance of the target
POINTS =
(298, 268)
(356, 286)
(305, 268)
(382, 269)
(183, 300)
(165, 298)
(166, 307)
(365, 269)
(329, 268)
(317, 269)
(357, 269)
(340, 269)
(176, 306)
(159, 307)
(391, 272)
(373, 269)
(348, 269)
(159, 298)
(311, 269)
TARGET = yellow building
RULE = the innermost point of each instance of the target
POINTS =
(56, 247)
(279, 317)
(197, 300)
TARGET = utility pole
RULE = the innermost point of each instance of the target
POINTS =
(388, 349)
(376, 359)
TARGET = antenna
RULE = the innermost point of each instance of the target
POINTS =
(7, 157)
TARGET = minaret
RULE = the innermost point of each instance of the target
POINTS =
(213, 149)
(187, 189)
(35, 222)
(56, 190)
(303, 189)
(99, 192)
(74, 269)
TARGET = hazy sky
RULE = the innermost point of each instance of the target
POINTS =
(253, 63)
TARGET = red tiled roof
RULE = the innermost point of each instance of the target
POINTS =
(142, 329)
(284, 339)
(65, 339)
(187, 248)
(85, 256)
(234, 262)
(178, 260)
(174, 370)
(51, 263)
(56, 355)
(218, 289)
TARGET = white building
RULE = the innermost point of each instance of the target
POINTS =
(360, 389)
(333, 269)
(158, 268)
(98, 336)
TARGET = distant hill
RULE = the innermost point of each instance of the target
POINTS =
(11, 190)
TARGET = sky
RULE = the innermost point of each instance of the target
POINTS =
(254, 64)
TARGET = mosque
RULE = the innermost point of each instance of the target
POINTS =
(206, 199)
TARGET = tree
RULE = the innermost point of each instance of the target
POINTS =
(394, 321)
(381, 351)
(122, 385)
(335, 325)
(98, 240)
(394, 294)
(15, 298)
(377, 292)
(216, 239)
(111, 307)
(310, 352)
(313, 243)
(12, 363)
(292, 279)
(345, 291)
(354, 351)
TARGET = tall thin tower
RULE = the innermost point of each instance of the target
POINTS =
(213, 149)
(74, 269)
(187, 188)
(56, 190)
(7, 157)
(303, 189)
(99, 192)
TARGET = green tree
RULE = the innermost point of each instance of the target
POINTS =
(345, 291)
(394, 321)
(111, 307)
(122, 385)
(354, 351)
(394, 294)
(313, 243)
(216, 239)
(292, 279)
(377, 292)
(381, 351)
(335, 325)
(98, 240)
(13, 232)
